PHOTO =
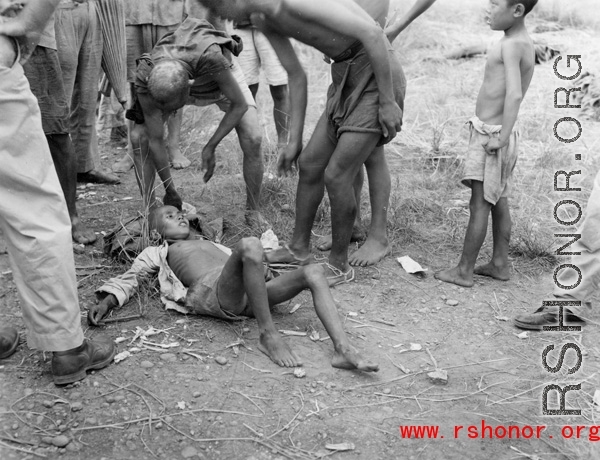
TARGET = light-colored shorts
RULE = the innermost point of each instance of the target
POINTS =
(257, 53)
(494, 170)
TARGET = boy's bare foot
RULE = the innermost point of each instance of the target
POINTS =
(350, 359)
(454, 275)
(285, 255)
(369, 253)
(324, 243)
(491, 270)
(178, 161)
(123, 165)
(272, 345)
(80, 233)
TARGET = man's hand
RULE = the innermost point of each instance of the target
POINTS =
(493, 145)
(390, 119)
(208, 162)
(100, 310)
(288, 156)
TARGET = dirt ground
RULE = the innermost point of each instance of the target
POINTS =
(214, 395)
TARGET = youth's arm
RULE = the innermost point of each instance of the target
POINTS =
(419, 7)
(511, 56)
(236, 110)
(297, 85)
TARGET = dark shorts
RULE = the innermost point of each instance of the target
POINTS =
(353, 96)
(46, 82)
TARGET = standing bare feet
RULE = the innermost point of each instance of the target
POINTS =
(493, 271)
(80, 233)
(123, 165)
(324, 243)
(348, 358)
(272, 345)
(455, 276)
(369, 253)
(178, 161)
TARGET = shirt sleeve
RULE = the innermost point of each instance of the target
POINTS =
(122, 286)
(213, 61)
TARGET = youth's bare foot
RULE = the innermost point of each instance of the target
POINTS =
(324, 243)
(178, 161)
(491, 270)
(455, 276)
(350, 359)
(80, 233)
(272, 345)
(123, 165)
(369, 253)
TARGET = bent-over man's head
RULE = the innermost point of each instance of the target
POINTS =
(169, 223)
(168, 85)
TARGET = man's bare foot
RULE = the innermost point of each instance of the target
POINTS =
(173, 199)
(491, 270)
(285, 255)
(256, 221)
(324, 243)
(369, 253)
(350, 359)
(454, 275)
(123, 165)
(80, 233)
(272, 345)
(178, 161)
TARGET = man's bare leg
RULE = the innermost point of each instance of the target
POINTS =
(351, 152)
(313, 277)
(243, 274)
(250, 138)
(501, 225)
(310, 191)
(65, 163)
(377, 245)
(281, 112)
(178, 161)
(462, 274)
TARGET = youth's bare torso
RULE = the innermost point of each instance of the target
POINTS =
(190, 260)
(284, 19)
(490, 101)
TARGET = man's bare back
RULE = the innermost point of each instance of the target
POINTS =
(491, 98)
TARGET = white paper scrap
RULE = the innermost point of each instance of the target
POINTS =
(410, 266)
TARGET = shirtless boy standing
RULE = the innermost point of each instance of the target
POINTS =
(364, 107)
(200, 277)
(493, 147)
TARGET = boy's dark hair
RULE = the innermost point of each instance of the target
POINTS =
(527, 4)
(167, 81)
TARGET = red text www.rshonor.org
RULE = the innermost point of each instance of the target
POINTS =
(485, 431)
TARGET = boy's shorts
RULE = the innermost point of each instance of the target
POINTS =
(203, 297)
(494, 170)
(257, 53)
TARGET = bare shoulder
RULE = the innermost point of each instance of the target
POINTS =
(8, 52)
(518, 47)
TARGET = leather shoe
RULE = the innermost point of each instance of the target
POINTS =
(9, 340)
(95, 176)
(71, 365)
(545, 316)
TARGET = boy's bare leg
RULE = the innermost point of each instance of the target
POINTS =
(310, 191)
(501, 225)
(324, 243)
(243, 274)
(281, 111)
(351, 152)
(250, 138)
(462, 274)
(178, 161)
(376, 246)
(313, 277)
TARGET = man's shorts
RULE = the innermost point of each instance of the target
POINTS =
(257, 53)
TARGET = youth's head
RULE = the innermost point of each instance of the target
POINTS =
(169, 222)
(169, 84)
(503, 14)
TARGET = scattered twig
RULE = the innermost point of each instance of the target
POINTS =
(119, 319)
(435, 364)
(8, 446)
(259, 370)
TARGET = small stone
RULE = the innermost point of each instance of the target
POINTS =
(146, 364)
(189, 452)
(170, 357)
(299, 373)
(221, 360)
(387, 391)
(77, 406)
(28, 391)
(47, 403)
(60, 441)
(452, 302)
(73, 447)
(158, 425)
(110, 399)
(78, 248)
(438, 376)
(196, 394)
(91, 421)
(15, 426)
